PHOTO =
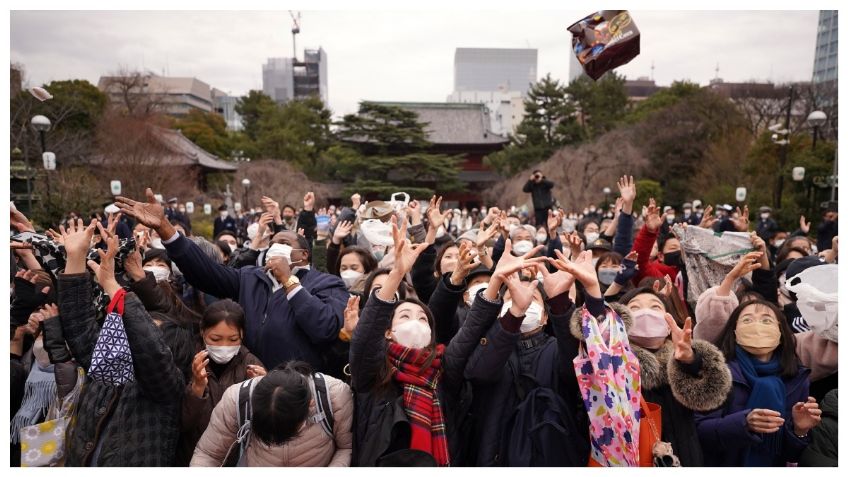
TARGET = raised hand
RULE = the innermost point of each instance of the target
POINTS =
(557, 283)
(760, 246)
(464, 264)
(745, 265)
(666, 288)
(271, 206)
(434, 213)
(77, 240)
(682, 339)
(104, 272)
(509, 263)
(264, 222)
(413, 209)
(554, 221)
(55, 236)
(50, 310)
(653, 220)
(342, 231)
(741, 223)
(629, 267)
(804, 225)
(19, 221)
(199, 376)
(708, 219)
(309, 201)
(132, 266)
(351, 314)
(627, 190)
(254, 370)
(806, 416)
(521, 293)
(113, 222)
(150, 213)
(581, 268)
(406, 253)
(355, 201)
(484, 236)
(575, 244)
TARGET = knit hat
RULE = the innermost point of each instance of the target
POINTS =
(477, 271)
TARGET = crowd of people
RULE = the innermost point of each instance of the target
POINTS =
(405, 333)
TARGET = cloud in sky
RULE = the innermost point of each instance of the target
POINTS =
(399, 56)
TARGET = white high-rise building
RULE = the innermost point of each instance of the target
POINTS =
(494, 69)
(284, 78)
(505, 109)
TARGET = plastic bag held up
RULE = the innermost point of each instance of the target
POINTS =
(604, 40)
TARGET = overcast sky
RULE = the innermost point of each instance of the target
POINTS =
(398, 56)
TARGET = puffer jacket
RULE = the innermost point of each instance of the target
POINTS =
(382, 430)
(137, 424)
(197, 411)
(312, 448)
(818, 354)
(680, 389)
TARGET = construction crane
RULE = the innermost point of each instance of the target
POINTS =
(295, 30)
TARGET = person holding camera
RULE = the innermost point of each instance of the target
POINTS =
(540, 189)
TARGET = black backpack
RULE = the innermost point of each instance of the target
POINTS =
(542, 431)
(323, 416)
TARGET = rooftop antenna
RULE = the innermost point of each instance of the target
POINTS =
(716, 70)
(295, 30)
(652, 70)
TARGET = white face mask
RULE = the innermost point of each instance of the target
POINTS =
(541, 238)
(161, 274)
(591, 237)
(592, 210)
(252, 230)
(222, 354)
(350, 277)
(279, 250)
(669, 218)
(778, 243)
(157, 243)
(377, 232)
(532, 316)
(412, 334)
(224, 214)
(764, 216)
(472, 293)
(440, 232)
(522, 246)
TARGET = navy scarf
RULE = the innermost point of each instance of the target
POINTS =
(767, 392)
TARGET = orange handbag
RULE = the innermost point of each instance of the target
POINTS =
(650, 428)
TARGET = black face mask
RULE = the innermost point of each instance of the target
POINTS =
(673, 259)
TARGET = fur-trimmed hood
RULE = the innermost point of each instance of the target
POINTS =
(704, 391)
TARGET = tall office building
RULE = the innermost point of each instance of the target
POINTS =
(827, 43)
(575, 69)
(284, 79)
(494, 69)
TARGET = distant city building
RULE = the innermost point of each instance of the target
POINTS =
(640, 88)
(744, 90)
(825, 66)
(575, 69)
(171, 95)
(494, 69)
(225, 105)
(505, 109)
(284, 79)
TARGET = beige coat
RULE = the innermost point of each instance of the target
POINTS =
(313, 448)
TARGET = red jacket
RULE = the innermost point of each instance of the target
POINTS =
(649, 268)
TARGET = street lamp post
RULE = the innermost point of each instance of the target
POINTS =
(607, 192)
(816, 120)
(42, 125)
(246, 184)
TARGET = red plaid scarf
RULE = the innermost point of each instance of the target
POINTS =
(420, 398)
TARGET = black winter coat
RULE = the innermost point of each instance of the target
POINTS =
(381, 427)
(495, 393)
(137, 424)
(446, 304)
(541, 193)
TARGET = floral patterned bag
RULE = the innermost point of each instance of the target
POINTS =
(610, 383)
(43, 444)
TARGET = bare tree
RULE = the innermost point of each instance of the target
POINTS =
(133, 92)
